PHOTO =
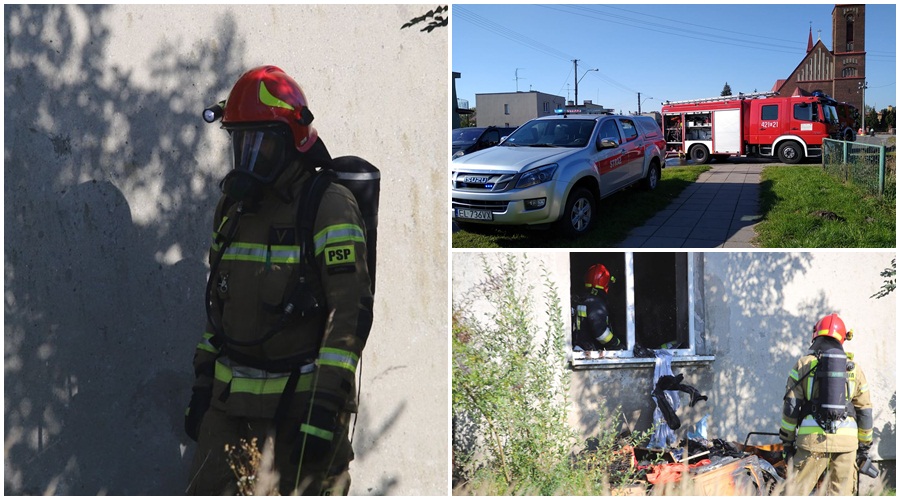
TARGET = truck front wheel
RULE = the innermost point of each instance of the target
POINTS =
(699, 154)
(578, 213)
(652, 179)
(790, 152)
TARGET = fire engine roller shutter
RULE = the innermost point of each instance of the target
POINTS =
(727, 131)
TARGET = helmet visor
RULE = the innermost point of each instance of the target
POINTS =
(259, 152)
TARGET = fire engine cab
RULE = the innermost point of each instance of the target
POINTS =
(757, 124)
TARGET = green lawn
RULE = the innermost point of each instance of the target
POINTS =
(805, 208)
(616, 215)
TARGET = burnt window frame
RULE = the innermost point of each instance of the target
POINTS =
(695, 352)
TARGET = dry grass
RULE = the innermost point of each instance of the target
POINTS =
(253, 469)
(687, 486)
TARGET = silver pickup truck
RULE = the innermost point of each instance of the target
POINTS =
(554, 169)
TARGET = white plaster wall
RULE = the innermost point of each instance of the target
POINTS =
(761, 309)
(110, 184)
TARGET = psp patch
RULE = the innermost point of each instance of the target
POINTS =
(343, 255)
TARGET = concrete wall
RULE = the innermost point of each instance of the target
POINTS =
(110, 184)
(760, 309)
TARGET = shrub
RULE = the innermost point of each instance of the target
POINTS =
(510, 392)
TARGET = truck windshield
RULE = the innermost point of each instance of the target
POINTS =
(564, 132)
(831, 114)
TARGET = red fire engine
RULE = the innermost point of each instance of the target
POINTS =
(758, 124)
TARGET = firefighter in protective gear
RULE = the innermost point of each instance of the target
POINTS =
(286, 324)
(827, 414)
(591, 315)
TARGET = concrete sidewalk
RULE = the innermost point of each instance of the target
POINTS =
(719, 210)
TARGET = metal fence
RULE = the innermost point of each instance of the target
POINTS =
(869, 166)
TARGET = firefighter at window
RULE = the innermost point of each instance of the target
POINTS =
(826, 422)
(287, 320)
(591, 331)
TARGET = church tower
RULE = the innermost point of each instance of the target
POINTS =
(848, 28)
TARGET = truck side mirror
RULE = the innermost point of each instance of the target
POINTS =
(606, 143)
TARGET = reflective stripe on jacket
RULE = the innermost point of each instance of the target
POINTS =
(256, 277)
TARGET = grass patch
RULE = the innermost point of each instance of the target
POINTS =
(616, 215)
(806, 208)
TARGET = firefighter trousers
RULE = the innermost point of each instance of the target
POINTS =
(840, 473)
(211, 472)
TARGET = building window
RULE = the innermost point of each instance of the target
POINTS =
(849, 33)
(848, 72)
(546, 107)
(769, 112)
(651, 305)
(506, 109)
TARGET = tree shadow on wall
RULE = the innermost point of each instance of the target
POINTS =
(103, 290)
(110, 184)
(762, 332)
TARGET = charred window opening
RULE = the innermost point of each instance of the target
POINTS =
(661, 300)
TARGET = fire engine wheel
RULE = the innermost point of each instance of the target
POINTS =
(699, 154)
(790, 152)
(578, 214)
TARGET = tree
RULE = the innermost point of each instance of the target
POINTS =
(726, 90)
(439, 19)
(888, 119)
(469, 120)
(890, 283)
(871, 118)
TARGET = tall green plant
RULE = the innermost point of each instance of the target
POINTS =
(510, 382)
(890, 283)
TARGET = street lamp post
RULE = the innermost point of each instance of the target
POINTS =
(579, 80)
(863, 85)
(641, 102)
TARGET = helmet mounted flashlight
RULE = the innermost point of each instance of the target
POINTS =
(214, 112)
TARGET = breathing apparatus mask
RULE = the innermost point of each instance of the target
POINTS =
(260, 154)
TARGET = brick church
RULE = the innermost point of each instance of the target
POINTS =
(837, 72)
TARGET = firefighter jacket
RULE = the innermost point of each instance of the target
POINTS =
(591, 323)
(257, 275)
(798, 425)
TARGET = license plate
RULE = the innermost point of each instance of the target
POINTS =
(468, 213)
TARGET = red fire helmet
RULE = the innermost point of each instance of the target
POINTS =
(266, 96)
(832, 326)
(598, 277)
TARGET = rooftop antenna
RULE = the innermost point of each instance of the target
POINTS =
(518, 78)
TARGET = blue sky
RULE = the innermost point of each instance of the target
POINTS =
(665, 52)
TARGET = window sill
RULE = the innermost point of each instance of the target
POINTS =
(617, 363)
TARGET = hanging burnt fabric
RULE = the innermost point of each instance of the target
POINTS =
(666, 405)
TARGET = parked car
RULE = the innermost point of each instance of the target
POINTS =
(470, 139)
(554, 169)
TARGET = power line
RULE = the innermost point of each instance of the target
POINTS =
(667, 30)
(756, 35)
(497, 29)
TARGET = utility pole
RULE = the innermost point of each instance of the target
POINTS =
(639, 103)
(517, 78)
(863, 85)
(576, 80)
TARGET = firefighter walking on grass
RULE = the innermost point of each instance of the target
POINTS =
(286, 320)
(826, 422)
